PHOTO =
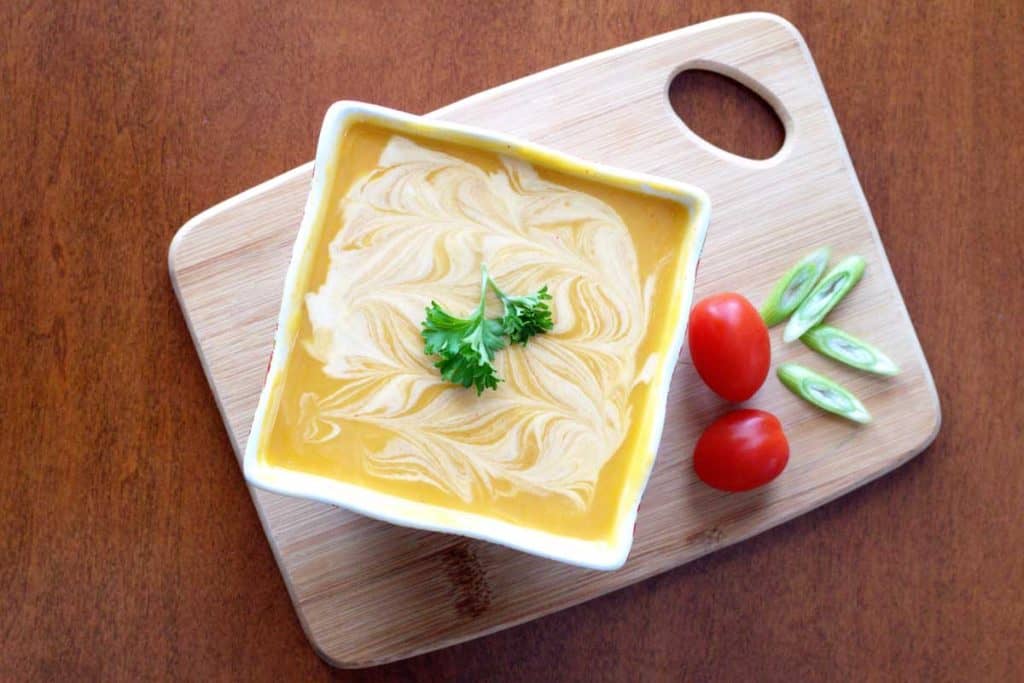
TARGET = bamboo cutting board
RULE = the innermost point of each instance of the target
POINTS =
(367, 592)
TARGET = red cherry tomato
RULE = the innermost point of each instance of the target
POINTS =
(729, 345)
(741, 450)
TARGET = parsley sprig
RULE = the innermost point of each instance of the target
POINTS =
(525, 315)
(466, 346)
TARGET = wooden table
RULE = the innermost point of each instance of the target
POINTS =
(129, 548)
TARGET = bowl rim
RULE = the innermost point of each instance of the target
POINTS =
(605, 554)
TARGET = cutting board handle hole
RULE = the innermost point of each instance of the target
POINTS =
(726, 114)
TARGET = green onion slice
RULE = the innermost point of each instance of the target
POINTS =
(822, 392)
(845, 348)
(791, 290)
(832, 288)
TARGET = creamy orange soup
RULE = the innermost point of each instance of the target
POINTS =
(409, 221)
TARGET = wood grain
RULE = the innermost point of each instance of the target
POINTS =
(228, 266)
(129, 547)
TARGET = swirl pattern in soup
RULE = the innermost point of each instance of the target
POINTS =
(411, 221)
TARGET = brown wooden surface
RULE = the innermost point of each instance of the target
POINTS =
(228, 267)
(128, 544)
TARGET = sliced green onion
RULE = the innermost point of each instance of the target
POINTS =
(845, 348)
(824, 297)
(822, 392)
(791, 290)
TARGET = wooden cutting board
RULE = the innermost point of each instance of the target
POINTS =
(367, 592)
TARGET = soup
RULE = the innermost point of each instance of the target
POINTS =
(410, 220)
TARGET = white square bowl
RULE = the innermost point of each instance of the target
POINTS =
(596, 554)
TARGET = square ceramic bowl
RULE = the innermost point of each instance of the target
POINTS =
(608, 552)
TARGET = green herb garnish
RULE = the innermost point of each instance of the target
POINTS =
(525, 315)
(466, 346)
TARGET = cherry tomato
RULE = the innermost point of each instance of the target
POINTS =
(741, 450)
(729, 345)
